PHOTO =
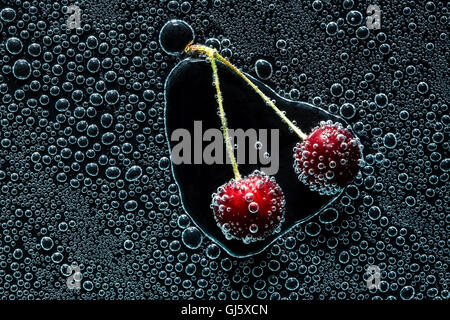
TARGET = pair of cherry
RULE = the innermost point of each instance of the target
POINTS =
(251, 208)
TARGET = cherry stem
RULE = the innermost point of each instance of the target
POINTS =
(213, 54)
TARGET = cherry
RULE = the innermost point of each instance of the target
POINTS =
(175, 35)
(328, 159)
(249, 208)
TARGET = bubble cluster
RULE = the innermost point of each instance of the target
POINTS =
(86, 188)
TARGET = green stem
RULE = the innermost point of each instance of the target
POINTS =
(223, 118)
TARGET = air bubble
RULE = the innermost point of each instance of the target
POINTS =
(263, 69)
(22, 69)
(192, 238)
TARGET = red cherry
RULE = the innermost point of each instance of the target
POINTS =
(250, 208)
(328, 159)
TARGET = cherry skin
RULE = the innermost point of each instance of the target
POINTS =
(329, 159)
(174, 36)
(250, 208)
